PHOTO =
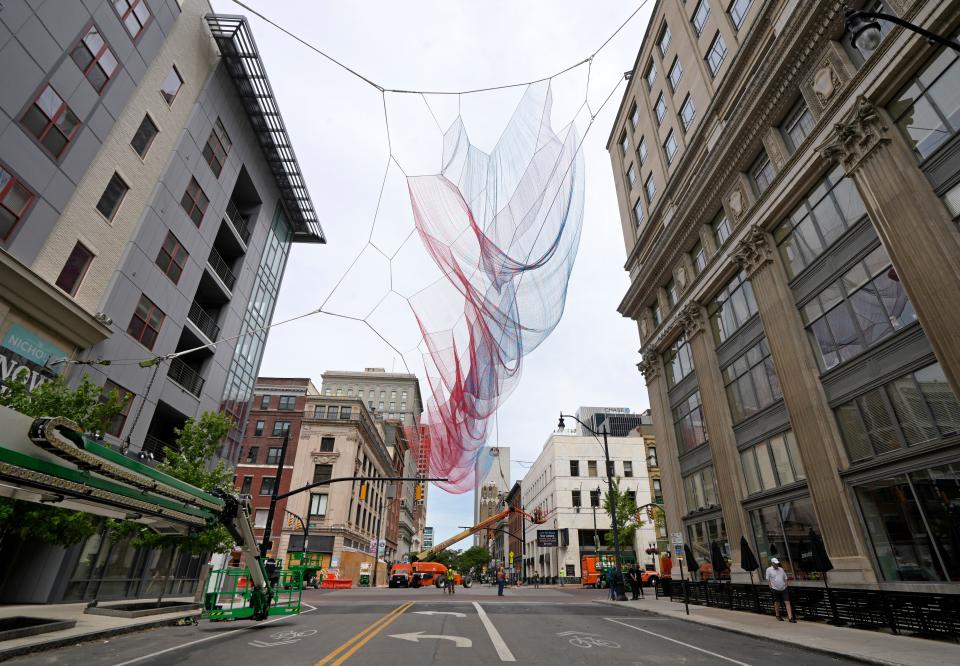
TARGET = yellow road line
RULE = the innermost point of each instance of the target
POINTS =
(361, 638)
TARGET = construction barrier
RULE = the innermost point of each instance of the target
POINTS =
(334, 584)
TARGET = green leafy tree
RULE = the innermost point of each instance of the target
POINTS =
(474, 557)
(447, 558)
(627, 520)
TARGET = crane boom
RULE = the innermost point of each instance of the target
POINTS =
(486, 522)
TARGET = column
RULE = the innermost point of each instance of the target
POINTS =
(917, 231)
(811, 418)
(723, 443)
(674, 502)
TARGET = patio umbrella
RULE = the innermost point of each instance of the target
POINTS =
(692, 564)
(821, 562)
(717, 561)
(749, 563)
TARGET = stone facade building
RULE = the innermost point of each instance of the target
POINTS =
(789, 206)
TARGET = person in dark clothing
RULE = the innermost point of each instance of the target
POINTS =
(634, 575)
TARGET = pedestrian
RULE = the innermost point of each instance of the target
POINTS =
(536, 580)
(777, 580)
(611, 584)
(501, 581)
(634, 576)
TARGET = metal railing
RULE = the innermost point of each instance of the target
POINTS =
(920, 613)
(221, 268)
(204, 321)
(239, 221)
(154, 445)
(185, 376)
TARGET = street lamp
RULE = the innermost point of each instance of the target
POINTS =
(613, 505)
(864, 29)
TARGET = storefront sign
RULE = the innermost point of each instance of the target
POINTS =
(22, 351)
(548, 538)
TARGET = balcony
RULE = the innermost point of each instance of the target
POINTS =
(204, 321)
(222, 269)
(238, 221)
(185, 376)
(154, 446)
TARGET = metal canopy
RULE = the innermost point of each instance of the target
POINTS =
(242, 60)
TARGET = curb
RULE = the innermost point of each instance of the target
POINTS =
(743, 632)
(55, 643)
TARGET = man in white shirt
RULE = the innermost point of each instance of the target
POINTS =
(777, 580)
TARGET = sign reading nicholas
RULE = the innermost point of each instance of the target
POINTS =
(21, 351)
(547, 538)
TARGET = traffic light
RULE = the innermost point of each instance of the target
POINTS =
(418, 492)
(363, 491)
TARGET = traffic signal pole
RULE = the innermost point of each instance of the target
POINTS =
(274, 496)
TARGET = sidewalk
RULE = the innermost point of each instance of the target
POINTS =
(88, 627)
(872, 647)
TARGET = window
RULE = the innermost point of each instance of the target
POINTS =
(591, 468)
(676, 71)
(247, 484)
(672, 295)
(927, 110)
(319, 412)
(700, 490)
(761, 173)
(594, 498)
(143, 138)
(273, 455)
(349, 392)
(15, 198)
(687, 113)
(95, 59)
(339, 392)
(258, 429)
(732, 308)
(194, 201)
(916, 408)
(575, 499)
(280, 428)
(721, 228)
(689, 424)
(264, 402)
(403, 395)
(863, 307)
(632, 497)
(700, 15)
(797, 125)
(51, 121)
(651, 189)
(74, 269)
(287, 402)
(661, 108)
(657, 491)
(574, 468)
(172, 257)
(112, 196)
(260, 518)
(911, 522)
(217, 147)
(346, 412)
(642, 150)
(624, 146)
(326, 444)
(784, 531)
(115, 427)
(699, 256)
(670, 147)
(638, 212)
(266, 485)
(627, 468)
(738, 11)
(146, 322)
(134, 15)
(830, 208)
(716, 53)
(322, 473)
(651, 74)
(664, 40)
(171, 85)
(632, 175)
(678, 361)
(252, 454)
(656, 313)
(652, 456)
(318, 505)
(751, 382)
(634, 116)
(772, 463)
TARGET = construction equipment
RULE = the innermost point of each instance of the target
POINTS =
(538, 518)
(53, 462)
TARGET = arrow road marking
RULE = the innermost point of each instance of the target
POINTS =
(440, 613)
(417, 635)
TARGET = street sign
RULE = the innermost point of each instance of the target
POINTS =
(676, 538)
(678, 549)
(548, 538)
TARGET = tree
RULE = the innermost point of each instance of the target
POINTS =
(447, 558)
(474, 557)
(190, 461)
(627, 520)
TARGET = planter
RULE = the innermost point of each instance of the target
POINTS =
(142, 608)
(19, 626)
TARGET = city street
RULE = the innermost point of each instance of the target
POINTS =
(547, 626)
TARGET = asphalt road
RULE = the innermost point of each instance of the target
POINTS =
(382, 627)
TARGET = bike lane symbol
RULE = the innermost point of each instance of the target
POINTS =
(583, 639)
(283, 638)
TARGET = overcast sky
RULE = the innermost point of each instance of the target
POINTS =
(336, 123)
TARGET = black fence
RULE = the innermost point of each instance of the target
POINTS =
(919, 613)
